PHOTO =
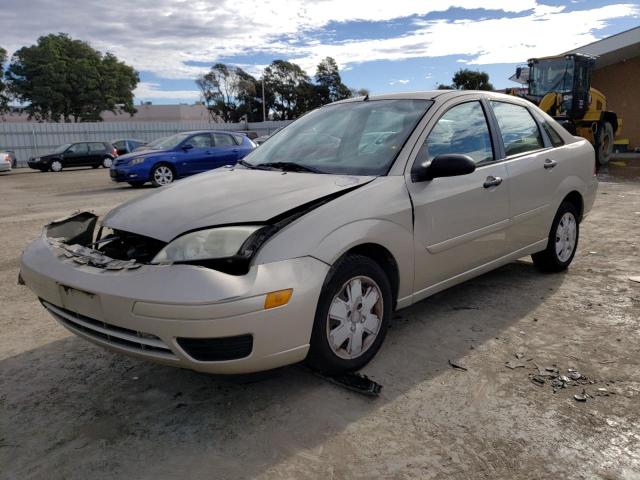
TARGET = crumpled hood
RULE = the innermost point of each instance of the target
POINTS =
(221, 197)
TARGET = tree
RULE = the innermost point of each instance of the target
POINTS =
(329, 82)
(60, 78)
(289, 84)
(442, 86)
(465, 79)
(4, 98)
(359, 92)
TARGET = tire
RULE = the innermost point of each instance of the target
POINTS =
(55, 166)
(605, 143)
(338, 317)
(107, 162)
(563, 241)
(136, 184)
(162, 174)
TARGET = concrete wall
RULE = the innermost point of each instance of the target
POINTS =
(620, 83)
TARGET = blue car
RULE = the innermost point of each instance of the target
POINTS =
(181, 155)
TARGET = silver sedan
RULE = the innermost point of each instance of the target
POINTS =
(304, 249)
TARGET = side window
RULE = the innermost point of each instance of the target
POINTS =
(121, 145)
(556, 140)
(462, 129)
(96, 147)
(202, 140)
(238, 139)
(223, 140)
(78, 148)
(519, 130)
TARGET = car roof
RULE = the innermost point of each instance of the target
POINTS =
(208, 131)
(432, 95)
(127, 139)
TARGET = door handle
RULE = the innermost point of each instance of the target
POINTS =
(492, 181)
(548, 163)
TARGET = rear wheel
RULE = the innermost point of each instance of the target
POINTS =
(352, 315)
(605, 143)
(107, 162)
(55, 166)
(162, 175)
(563, 241)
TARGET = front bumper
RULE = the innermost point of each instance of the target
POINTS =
(146, 311)
(5, 166)
(124, 173)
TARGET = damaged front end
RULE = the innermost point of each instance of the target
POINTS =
(78, 240)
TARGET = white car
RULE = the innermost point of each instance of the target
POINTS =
(305, 249)
(6, 161)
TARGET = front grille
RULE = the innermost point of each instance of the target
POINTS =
(107, 333)
(217, 349)
(130, 246)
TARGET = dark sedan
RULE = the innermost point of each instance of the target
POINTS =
(81, 154)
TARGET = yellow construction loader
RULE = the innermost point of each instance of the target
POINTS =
(561, 86)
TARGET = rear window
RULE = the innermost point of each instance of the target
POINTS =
(238, 138)
(96, 147)
(520, 132)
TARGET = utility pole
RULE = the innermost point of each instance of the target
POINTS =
(264, 111)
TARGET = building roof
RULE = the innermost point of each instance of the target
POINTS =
(614, 49)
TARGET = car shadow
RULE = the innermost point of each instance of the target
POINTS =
(89, 410)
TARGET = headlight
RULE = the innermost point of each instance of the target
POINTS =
(212, 244)
(136, 161)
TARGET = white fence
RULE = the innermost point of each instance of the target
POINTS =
(32, 139)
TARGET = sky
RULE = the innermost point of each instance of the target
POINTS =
(384, 46)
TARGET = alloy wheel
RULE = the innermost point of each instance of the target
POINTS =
(163, 175)
(56, 166)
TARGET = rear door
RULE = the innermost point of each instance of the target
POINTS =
(225, 151)
(533, 172)
(97, 150)
(460, 222)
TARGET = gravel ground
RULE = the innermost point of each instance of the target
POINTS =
(69, 409)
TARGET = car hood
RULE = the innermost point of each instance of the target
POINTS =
(222, 197)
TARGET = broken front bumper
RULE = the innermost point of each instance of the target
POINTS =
(182, 315)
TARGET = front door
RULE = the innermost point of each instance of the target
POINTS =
(196, 159)
(460, 222)
(76, 155)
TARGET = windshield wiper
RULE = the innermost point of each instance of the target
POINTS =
(291, 167)
(251, 166)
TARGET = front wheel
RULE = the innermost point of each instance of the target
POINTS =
(352, 316)
(107, 162)
(55, 166)
(161, 175)
(563, 241)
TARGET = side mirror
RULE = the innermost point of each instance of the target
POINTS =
(449, 165)
(187, 146)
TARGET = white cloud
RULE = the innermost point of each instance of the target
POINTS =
(545, 31)
(152, 91)
(398, 82)
(178, 38)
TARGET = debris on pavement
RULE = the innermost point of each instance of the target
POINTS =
(355, 382)
(519, 355)
(513, 365)
(582, 397)
(635, 279)
(457, 366)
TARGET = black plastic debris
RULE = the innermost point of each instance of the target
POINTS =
(355, 382)
(457, 366)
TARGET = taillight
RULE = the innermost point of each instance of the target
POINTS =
(115, 152)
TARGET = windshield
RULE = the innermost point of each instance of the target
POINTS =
(62, 148)
(354, 138)
(551, 76)
(170, 142)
